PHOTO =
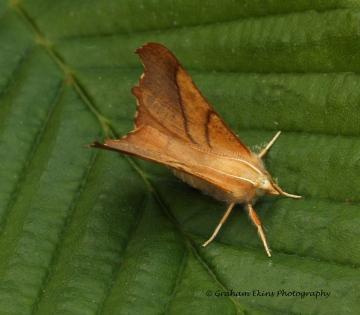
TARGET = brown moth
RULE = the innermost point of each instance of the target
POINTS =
(176, 126)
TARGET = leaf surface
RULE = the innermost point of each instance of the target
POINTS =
(89, 232)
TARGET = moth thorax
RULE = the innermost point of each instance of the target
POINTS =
(264, 186)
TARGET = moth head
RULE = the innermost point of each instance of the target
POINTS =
(264, 185)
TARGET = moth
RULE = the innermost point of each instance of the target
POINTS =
(177, 127)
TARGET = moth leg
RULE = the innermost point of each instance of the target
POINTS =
(222, 221)
(264, 151)
(255, 219)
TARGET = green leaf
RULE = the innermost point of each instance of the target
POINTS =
(84, 231)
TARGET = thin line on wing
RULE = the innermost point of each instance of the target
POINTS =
(186, 166)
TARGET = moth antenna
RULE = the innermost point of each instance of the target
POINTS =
(222, 221)
(255, 219)
(264, 151)
(284, 193)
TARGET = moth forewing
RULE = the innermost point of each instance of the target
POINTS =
(177, 127)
